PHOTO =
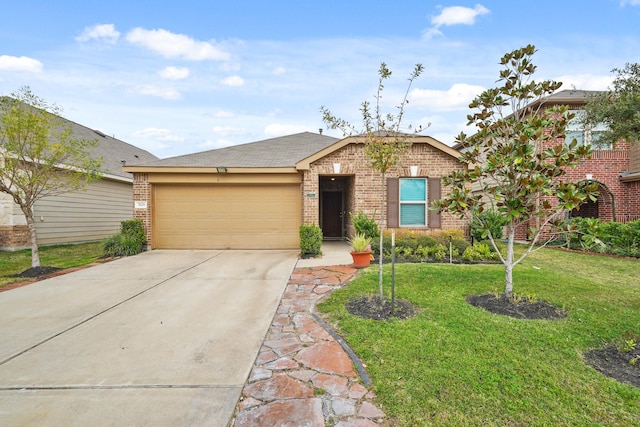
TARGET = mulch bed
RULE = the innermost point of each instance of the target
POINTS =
(377, 308)
(520, 309)
(616, 364)
(37, 272)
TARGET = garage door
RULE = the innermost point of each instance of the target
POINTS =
(226, 216)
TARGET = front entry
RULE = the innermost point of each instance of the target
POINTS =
(334, 195)
(332, 211)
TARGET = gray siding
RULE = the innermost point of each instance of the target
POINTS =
(89, 215)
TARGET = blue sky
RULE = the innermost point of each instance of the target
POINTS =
(180, 77)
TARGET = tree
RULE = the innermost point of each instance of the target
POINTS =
(618, 109)
(384, 140)
(518, 161)
(40, 155)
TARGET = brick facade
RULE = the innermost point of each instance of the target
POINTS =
(142, 193)
(366, 190)
(14, 237)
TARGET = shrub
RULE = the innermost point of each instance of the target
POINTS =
(129, 241)
(310, 239)
(488, 220)
(478, 252)
(365, 225)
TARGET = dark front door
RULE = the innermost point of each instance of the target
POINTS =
(332, 214)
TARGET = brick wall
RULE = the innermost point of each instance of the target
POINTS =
(14, 237)
(367, 189)
(617, 200)
(142, 193)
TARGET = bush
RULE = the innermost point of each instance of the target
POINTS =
(490, 220)
(593, 235)
(310, 239)
(129, 241)
(365, 225)
(478, 252)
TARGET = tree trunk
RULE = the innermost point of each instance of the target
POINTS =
(33, 234)
(508, 262)
(384, 192)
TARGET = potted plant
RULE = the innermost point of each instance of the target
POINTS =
(361, 250)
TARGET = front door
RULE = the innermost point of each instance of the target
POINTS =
(332, 211)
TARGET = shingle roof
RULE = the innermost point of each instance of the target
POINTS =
(113, 151)
(284, 151)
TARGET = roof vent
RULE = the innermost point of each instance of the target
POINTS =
(100, 133)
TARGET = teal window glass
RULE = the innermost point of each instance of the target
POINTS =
(413, 202)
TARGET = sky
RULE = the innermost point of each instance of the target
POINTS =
(183, 77)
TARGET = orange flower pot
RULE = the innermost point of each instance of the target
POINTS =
(361, 259)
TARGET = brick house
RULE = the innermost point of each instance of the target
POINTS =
(256, 195)
(616, 169)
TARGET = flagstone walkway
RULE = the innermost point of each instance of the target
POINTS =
(302, 375)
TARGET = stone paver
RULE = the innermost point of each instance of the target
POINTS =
(302, 376)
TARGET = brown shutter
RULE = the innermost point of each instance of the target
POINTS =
(393, 203)
(433, 193)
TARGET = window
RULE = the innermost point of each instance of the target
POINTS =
(575, 129)
(413, 202)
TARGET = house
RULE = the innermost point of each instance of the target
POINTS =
(88, 215)
(616, 169)
(256, 195)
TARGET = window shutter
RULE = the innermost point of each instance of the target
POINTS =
(434, 193)
(393, 200)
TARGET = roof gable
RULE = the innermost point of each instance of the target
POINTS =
(305, 163)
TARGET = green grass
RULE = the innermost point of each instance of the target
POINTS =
(61, 256)
(455, 364)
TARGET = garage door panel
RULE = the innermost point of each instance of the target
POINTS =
(226, 216)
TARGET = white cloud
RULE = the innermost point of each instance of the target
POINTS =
(172, 45)
(630, 2)
(106, 32)
(278, 71)
(455, 15)
(224, 114)
(161, 92)
(228, 130)
(174, 73)
(20, 63)
(457, 97)
(277, 129)
(233, 81)
(157, 134)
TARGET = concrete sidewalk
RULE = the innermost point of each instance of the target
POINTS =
(334, 252)
(162, 338)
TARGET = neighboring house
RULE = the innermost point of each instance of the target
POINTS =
(256, 195)
(616, 168)
(88, 215)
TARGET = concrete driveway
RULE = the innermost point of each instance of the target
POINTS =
(165, 338)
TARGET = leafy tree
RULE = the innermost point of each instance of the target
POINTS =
(618, 109)
(518, 161)
(384, 140)
(40, 155)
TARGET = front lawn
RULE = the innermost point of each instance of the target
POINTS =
(61, 256)
(455, 364)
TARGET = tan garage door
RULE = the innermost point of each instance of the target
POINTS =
(228, 216)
